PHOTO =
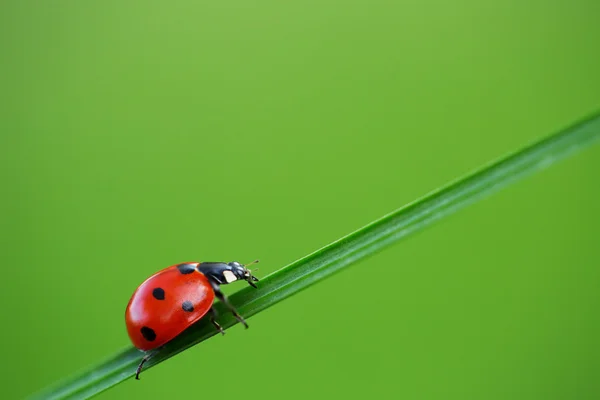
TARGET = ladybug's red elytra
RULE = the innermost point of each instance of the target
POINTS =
(172, 299)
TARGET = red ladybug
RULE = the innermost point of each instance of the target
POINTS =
(172, 299)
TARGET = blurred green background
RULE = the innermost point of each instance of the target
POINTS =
(140, 134)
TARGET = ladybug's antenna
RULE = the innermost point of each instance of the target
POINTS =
(253, 262)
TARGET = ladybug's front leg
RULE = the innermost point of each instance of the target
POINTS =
(224, 300)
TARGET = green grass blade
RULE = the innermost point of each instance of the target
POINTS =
(347, 250)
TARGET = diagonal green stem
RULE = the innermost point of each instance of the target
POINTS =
(345, 251)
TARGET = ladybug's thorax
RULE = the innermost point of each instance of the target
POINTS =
(222, 273)
(225, 273)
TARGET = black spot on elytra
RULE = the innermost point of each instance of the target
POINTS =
(158, 293)
(186, 268)
(187, 306)
(148, 333)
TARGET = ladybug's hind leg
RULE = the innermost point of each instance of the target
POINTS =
(139, 368)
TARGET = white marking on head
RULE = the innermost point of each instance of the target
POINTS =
(229, 276)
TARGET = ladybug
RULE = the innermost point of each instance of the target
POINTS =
(172, 299)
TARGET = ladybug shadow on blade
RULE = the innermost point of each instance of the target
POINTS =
(175, 298)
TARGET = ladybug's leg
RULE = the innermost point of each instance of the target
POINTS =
(213, 317)
(225, 301)
(139, 368)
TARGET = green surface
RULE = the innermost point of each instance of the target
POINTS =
(340, 254)
(137, 135)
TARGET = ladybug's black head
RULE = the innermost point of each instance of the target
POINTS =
(241, 272)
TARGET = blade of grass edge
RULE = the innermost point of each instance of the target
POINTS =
(343, 252)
